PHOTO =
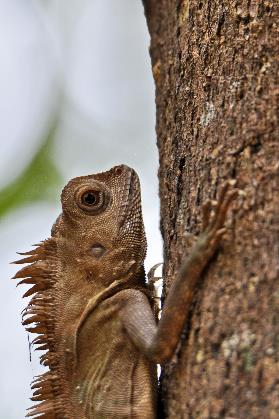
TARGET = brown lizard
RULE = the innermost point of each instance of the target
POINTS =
(91, 306)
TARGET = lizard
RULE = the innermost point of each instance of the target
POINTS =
(91, 308)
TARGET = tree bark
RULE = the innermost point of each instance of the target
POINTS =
(215, 66)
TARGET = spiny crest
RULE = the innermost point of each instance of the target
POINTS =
(41, 273)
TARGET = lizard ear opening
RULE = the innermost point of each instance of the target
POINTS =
(98, 250)
(92, 200)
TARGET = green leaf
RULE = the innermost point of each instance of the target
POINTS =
(39, 180)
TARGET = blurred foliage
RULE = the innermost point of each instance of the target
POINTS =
(39, 180)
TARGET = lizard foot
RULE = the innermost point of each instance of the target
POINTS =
(156, 295)
(214, 215)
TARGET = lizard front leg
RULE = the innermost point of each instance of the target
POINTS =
(159, 342)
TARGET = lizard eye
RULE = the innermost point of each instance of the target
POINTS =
(90, 198)
(92, 201)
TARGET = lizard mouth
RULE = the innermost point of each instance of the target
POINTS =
(129, 198)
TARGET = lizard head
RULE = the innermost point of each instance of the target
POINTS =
(101, 227)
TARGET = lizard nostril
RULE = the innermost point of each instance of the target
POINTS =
(118, 171)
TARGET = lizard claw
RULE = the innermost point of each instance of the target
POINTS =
(206, 211)
(214, 212)
(151, 274)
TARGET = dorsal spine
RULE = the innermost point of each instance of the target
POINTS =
(41, 273)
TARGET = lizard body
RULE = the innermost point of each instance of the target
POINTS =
(92, 308)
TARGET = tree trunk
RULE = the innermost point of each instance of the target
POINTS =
(215, 65)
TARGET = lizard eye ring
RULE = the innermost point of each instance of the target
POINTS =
(92, 200)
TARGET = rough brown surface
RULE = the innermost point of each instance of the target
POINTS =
(215, 66)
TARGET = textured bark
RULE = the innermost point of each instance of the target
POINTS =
(215, 65)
